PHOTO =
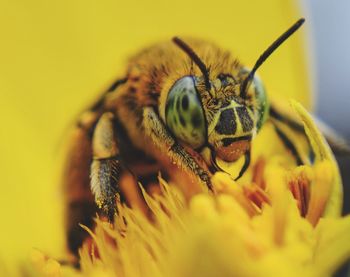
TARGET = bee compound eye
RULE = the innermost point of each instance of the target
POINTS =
(258, 92)
(184, 113)
(262, 103)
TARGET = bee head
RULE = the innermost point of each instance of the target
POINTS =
(223, 114)
(203, 112)
(225, 123)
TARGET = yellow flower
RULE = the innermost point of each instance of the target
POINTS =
(57, 56)
(65, 51)
(284, 222)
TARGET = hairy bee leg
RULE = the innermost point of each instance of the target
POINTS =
(288, 144)
(245, 165)
(163, 140)
(79, 201)
(106, 167)
(105, 175)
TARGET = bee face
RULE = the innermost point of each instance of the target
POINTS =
(231, 130)
(219, 118)
(237, 119)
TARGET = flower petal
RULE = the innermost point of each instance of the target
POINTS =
(323, 153)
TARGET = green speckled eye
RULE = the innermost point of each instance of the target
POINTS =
(262, 104)
(262, 101)
(184, 113)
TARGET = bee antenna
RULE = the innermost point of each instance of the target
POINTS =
(268, 52)
(194, 57)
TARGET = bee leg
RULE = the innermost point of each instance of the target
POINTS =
(245, 165)
(288, 144)
(293, 124)
(339, 145)
(290, 122)
(79, 201)
(106, 167)
(164, 141)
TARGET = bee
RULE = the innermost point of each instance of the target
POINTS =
(179, 108)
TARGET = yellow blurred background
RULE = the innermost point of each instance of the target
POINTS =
(57, 56)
